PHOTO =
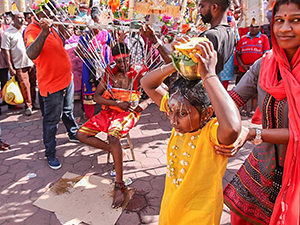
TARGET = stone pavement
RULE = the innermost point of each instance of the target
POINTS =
(18, 191)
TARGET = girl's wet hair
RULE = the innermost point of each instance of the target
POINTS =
(118, 49)
(191, 90)
(281, 2)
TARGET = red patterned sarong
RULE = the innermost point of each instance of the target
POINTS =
(112, 122)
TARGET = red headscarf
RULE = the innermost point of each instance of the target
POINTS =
(287, 206)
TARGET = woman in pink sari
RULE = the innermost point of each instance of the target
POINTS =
(266, 189)
(93, 47)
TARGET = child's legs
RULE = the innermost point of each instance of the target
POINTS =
(116, 150)
(87, 132)
(120, 125)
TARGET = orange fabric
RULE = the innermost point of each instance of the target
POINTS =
(122, 95)
(287, 206)
(53, 64)
(110, 121)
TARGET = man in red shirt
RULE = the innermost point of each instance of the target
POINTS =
(250, 48)
(46, 49)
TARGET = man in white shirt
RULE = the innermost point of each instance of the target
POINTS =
(3, 63)
(18, 62)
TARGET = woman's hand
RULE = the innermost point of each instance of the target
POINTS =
(237, 145)
(207, 60)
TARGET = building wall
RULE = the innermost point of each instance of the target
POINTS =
(23, 5)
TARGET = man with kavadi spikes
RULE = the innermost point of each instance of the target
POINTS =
(119, 95)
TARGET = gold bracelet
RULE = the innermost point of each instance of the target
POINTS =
(208, 76)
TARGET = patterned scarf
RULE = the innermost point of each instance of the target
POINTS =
(287, 206)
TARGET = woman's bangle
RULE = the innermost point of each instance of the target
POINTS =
(208, 76)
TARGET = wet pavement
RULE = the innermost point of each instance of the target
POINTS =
(19, 187)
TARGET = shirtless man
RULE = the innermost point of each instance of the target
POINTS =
(120, 112)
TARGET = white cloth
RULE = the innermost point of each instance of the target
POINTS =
(12, 40)
(136, 45)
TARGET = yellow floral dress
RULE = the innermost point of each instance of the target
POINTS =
(193, 188)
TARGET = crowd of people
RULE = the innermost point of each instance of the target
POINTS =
(113, 68)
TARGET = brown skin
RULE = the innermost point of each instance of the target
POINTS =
(123, 65)
(286, 30)
(184, 117)
(28, 17)
(229, 123)
(147, 31)
(114, 146)
(18, 20)
(217, 15)
(34, 50)
(208, 11)
(254, 30)
(66, 31)
(7, 19)
(96, 20)
(1, 20)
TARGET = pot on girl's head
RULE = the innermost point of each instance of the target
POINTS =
(189, 71)
(184, 58)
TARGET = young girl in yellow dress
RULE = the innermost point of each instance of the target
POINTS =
(193, 187)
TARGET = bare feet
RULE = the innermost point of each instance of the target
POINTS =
(119, 195)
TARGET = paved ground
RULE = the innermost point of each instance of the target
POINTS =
(18, 192)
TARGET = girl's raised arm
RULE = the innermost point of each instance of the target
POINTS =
(226, 111)
(151, 83)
